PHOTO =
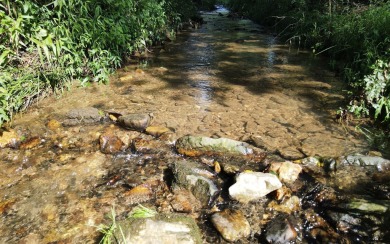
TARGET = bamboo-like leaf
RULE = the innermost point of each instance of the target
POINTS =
(4, 57)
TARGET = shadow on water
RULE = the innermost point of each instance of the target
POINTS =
(226, 52)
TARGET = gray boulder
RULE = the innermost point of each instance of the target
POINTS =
(78, 116)
(137, 122)
(163, 229)
(195, 177)
(201, 145)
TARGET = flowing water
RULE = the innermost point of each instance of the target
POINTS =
(228, 78)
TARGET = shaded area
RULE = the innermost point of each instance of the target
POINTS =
(219, 82)
(227, 58)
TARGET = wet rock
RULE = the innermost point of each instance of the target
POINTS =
(78, 116)
(162, 229)
(343, 221)
(184, 201)
(250, 186)
(110, 144)
(320, 140)
(30, 143)
(288, 205)
(8, 138)
(199, 145)
(288, 172)
(137, 122)
(290, 153)
(318, 168)
(365, 206)
(231, 224)
(168, 137)
(280, 230)
(271, 144)
(365, 227)
(194, 177)
(283, 192)
(6, 205)
(317, 228)
(144, 192)
(148, 145)
(157, 131)
(53, 124)
(139, 194)
(126, 77)
(359, 160)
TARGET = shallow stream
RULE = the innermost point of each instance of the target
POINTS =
(229, 78)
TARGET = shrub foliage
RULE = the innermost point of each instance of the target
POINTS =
(355, 34)
(45, 43)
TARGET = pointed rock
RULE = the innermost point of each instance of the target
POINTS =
(251, 186)
(287, 171)
(231, 224)
(280, 230)
(196, 178)
(110, 144)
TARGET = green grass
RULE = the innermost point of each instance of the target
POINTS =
(142, 212)
(109, 231)
(355, 37)
(44, 44)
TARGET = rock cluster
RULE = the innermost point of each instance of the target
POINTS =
(204, 189)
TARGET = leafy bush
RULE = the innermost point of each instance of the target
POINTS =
(354, 34)
(45, 43)
(376, 92)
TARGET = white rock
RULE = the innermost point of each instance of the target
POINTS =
(289, 172)
(175, 230)
(253, 185)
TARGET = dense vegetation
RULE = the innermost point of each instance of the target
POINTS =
(46, 43)
(355, 34)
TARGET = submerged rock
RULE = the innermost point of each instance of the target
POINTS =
(110, 144)
(288, 205)
(280, 230)
(30, 143)
(231, 224)
(157, 131)
(251, 186)
(184, 201)
(196, 178)
(8, 138)
(317, 228)
(365, 227)
(359, 160)
(343, 221)
(148, 146)
(200, 145)
(53, 124)
(162, 229)
(144, 192)
(365, 206)
(78, 116)
(137, 122)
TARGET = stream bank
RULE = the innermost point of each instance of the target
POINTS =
(70, 160)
